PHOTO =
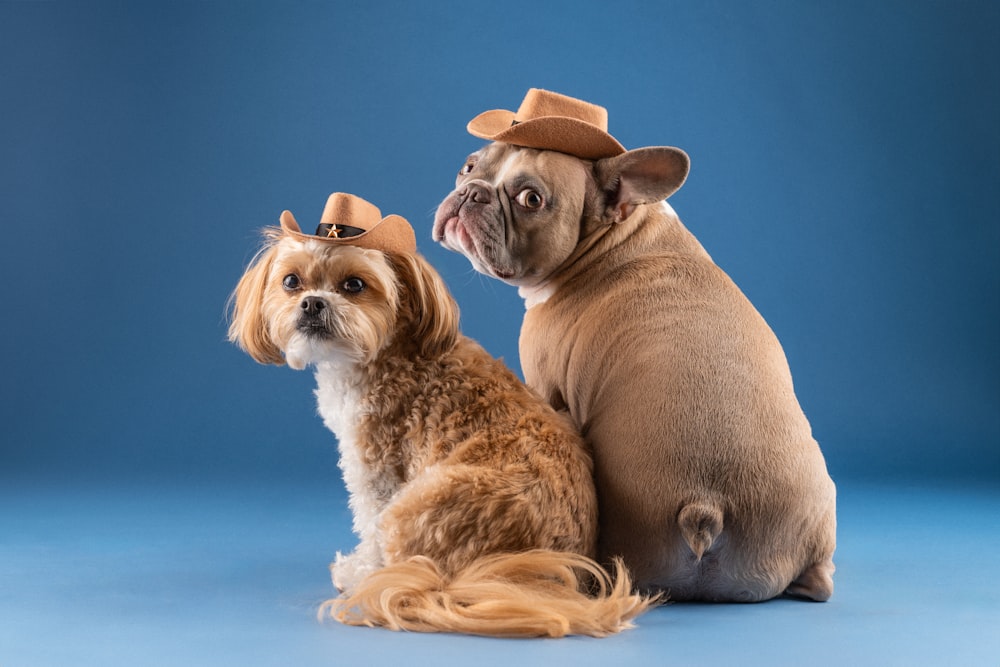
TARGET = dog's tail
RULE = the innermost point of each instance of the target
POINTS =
(700, 525)
(538, 593)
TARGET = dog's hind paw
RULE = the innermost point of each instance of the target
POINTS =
(348, 571)
(816, 583)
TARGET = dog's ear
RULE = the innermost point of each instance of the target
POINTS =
(247, 326)
(426, 304)
(640, 176)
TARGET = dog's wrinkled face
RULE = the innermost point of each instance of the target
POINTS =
(515, 212)
(520, 214)
(322, 303)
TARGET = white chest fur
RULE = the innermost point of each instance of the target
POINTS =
(341, 400)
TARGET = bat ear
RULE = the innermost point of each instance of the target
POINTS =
(640, 176)
(426, 304)
(247, 326)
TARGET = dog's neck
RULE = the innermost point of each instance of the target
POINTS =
(347, 389)
(650, 227)
(370, 406)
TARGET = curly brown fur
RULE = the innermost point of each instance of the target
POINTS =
(473, 499)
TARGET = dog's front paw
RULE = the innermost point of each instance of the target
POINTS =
(348, 571)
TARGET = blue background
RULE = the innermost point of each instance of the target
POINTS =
(845, 173)
(846, 167)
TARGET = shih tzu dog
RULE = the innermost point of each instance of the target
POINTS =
(473, 499)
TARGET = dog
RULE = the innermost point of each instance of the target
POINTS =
(473, 499)
(710, 484)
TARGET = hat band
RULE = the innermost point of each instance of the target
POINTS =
(334, 231)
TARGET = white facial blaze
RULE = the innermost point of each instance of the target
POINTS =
(508, 164)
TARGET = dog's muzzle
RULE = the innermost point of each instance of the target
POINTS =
(313, 316)
(476, 192)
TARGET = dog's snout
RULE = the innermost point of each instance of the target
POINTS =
(312, 305)
(476, 192)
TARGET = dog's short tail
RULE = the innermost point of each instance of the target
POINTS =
(700, 525)
(538, 593)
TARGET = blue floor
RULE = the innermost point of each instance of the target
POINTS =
(195, 576)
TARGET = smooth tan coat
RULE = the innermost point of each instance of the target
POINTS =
(710, 484)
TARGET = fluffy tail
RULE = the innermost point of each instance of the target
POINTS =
(538, 593)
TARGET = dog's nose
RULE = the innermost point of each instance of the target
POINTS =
(477, 192)
(312, 305)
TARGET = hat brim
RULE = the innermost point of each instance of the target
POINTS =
(392, 234)
(555, 133)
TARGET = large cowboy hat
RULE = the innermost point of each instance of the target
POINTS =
(551, 121)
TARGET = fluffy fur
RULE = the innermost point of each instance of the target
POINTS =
(472, 498)
(710, 483)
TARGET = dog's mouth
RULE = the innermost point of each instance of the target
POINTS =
(313, 328)
(451, 233)
(318, 334)
(315, 323)
(460, 231)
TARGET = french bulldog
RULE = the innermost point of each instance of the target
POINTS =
(710, 484)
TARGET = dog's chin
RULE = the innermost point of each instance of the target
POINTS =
(483, 256)
(305, 350)
(487, 268)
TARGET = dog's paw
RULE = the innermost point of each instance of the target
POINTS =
(348, 571)
(816, 583)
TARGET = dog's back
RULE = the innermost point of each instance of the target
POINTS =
(711, 485)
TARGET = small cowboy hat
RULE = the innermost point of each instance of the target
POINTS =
(551, 121)
(351, 220)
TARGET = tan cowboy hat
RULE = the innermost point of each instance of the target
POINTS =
(350, 220)
(553, 122)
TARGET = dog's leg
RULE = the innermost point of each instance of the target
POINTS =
(348, 571)
(816, 583)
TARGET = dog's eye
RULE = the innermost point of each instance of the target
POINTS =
(291, 282)
(353, 285)
(529, 199)
(469, 166)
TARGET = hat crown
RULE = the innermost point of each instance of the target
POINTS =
(540, 103)
(551, 121)
(350, 210)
